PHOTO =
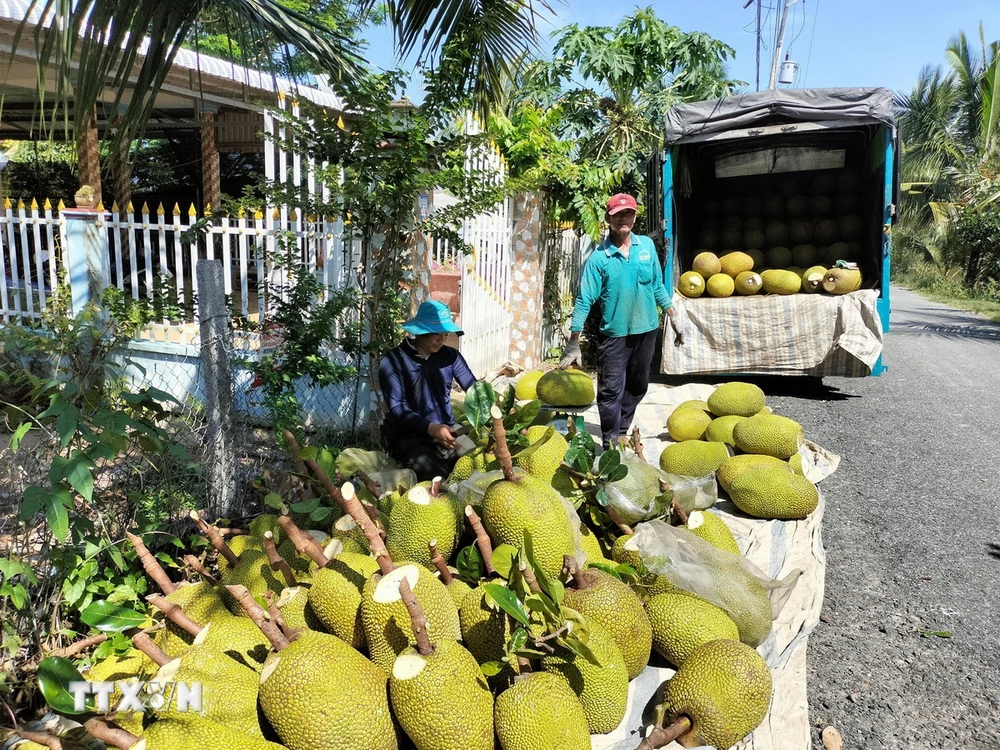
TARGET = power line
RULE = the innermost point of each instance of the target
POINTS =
(812, 36)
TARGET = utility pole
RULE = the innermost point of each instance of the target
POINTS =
(781, 42)
(758, 44)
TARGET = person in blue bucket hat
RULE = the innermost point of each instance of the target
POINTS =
(416, 378)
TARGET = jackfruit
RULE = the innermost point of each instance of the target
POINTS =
(609, 602)
(296, 610)
(692, 403)
(131, 666)
(687, 424)
(511, 508)
(776, 233)
(682, 623)
(825, 231)
(648, 584)
(735, 263)
(781, 281)
(842, 281)
(748, 283)
(524, 388)
(732, 238)
(239, 544)
(795, 464)
(543, 462)
(777, 257)
(720, 285)
(820, 205)
(441, 700)
(319, 692)
(736, 399)
(192, 731)
(713, 530)
(774, 493)
(566, 388)
(419, 517)
(799, 233)
(467, 465)
(237, 637)
(603, 690)
(757, 256)
(693, 458)
(733, 466)
(706, 264)
(347, 531)
(804, 255)
(589, 545)
(386, 621)
(540, 712)
(724, 687)
(837, 251)
(642, 485)
(753, 238)
(721, 429)
(769, 434)
(485, 631)
(691, 284)
(812, 279)
(458, 590)
(335, 595)
(252, 570)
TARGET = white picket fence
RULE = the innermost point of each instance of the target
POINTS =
(29, 267)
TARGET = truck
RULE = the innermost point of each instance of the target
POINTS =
(800, 176)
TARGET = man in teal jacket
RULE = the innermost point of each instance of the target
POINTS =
(624, 275)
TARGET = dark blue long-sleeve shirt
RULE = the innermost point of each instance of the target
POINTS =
(417, 391)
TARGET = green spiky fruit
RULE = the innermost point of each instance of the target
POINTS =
(682, 623)
(441, 699)
(720, 285)
(735, 263)
(606, 600)
(541, 712)
(795, 463)
(239, 544)
(706, 264)
(566, 388)
(603, 689)
(770, 435)
(252, 570)
(590, 545)
(841, 281)
(386, 621)
(713, 530)
(691, 284)
(467, 465)
(724, 687)
(781, 281)
(733, 466)
(296, 610)
(191, 731)
(525, 387)
(687, 424)
(648, 584)
(335, 595)
(774, 493)
(721, 430)
(419, 517)
(693, 458)
(485, 631)
(239, 638)
(319, 692)
(736, 399)
(544, 461)
(748, 283)
(458, 590)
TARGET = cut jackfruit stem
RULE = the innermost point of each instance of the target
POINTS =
(370, 484)
(637, 444)
(110, 734)
(502, 452)
(418, 621)
(278, 563)
(144, 643)
(215, 538)
(529, 577)
(581, 580)
(436, 486)
(303, 542)
(39, 738)
(195, 564)
(483, 540)
(152, 567)
(679, 511)
(618, 521)
(259, 617)
(661, 736)
(79, 646)
(174, 613)
(440, 563)
(276, 617)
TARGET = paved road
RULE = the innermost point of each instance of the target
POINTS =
(912, 533)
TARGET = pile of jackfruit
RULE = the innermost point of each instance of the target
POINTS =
(432, 617)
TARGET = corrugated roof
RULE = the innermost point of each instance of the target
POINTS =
(224, 70)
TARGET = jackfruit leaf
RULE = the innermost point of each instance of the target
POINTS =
(518, 640)
(18, 436)
(543, 605)
(579, 625)
(327, 461)
(531, 653)
(608, 460)
(581, 451)
(529, 555)
(509, 603)
(602, 497)
(504, 559)
(537, 444)
(470, 565)
(273, 500)
(306, 506)
(479, 399)
(579, 648)
(525, 415)
(106, 617)
(507, 404)
(618, 473)
(54, 676)
(309, 452)
(319, 514)
(490, 668)
(610, 568)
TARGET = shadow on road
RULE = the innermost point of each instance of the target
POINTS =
(975, 328)
(805, 387)
(993, 550)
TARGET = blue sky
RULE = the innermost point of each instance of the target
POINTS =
(835, 42)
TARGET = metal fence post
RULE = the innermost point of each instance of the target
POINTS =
(216, 341)
(86, 256)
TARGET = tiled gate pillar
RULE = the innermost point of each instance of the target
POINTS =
(88, 154)
(211, 188)
(527, 280)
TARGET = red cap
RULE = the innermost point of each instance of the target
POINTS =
(621, 202)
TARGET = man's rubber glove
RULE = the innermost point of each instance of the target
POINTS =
(678, 332)
(571, 355)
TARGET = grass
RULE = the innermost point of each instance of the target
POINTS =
(945, 286)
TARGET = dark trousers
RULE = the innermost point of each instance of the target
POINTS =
(622, 380)
(425, 457)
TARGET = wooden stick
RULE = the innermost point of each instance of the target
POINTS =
(196, 565)
(303, 542)
(418, 622)
(175, 614)
(502, 451)
(439, 562)
(529, 577)
(270, 630)
(482, 539)
(78, 646)
(637, 444)
(215, 538)
(144, 643)
(617, 520)
(151, 565)
(110, 734)
(665, 735)
(679, 511)
(278, 563)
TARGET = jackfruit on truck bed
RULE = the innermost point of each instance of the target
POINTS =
(540, 712)
(774, 493)
(769, 434)
(566, 388)
(693, 458)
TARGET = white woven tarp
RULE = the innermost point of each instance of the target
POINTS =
(802, 334)
(777, 548)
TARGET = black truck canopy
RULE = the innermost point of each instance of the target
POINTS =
(699, 121)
